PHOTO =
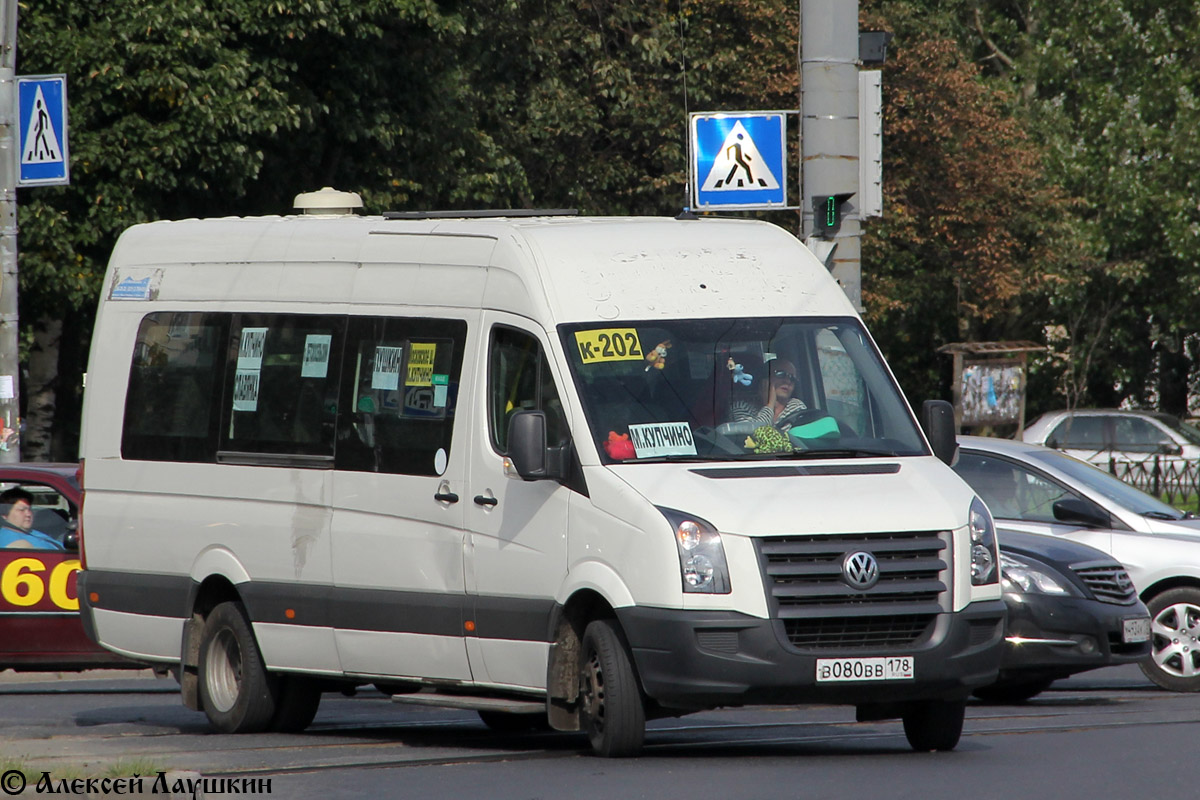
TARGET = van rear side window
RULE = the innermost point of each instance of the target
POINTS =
(171, 405)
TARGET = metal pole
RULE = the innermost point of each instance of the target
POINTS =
(829, 114)
(10, 367)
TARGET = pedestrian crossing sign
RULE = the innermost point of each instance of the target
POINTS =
(739, 160)
(42, 125)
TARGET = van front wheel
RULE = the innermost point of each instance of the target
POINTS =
(611, 710)
(237, 694)
(935, 724)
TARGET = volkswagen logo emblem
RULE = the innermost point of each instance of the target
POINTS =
(860, 569)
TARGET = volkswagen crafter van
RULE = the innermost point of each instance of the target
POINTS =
(491, 461)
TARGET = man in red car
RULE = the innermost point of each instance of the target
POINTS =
(16, 527)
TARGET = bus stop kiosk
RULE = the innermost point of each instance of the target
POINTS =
(989, 382)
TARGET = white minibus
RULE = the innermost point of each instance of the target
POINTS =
(575, 472)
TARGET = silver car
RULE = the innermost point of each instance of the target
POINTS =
(1038, 490)
(1101, 435)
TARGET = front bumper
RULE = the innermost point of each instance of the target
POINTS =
(696, 660)
(1054, 637)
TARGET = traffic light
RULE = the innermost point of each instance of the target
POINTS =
(827, 213)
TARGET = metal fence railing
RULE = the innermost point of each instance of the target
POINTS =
(1175, 480)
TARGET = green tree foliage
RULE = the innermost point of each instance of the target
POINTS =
(180, 109)
(1111, 86)
(590, 98)
(973, 236)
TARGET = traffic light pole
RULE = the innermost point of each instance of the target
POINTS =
(10, 371)
(829, 138)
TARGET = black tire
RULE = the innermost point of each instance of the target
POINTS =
(298, 700)
(610, 703)
(236, 693)
(1174, 662)
(1009, 693)
(514, 723)
(935, 725)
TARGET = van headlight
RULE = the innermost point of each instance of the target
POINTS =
(701, 555)
(983, 545)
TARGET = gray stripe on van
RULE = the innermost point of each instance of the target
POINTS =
(384, 610)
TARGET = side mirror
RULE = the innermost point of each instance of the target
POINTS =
(527, 444)
(1080, 512)
(527, 450)
(1170, 449)
(937, 418)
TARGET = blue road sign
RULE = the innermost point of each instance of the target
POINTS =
(42, 158)
(739, 160)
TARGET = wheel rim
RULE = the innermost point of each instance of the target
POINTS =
(223, 671)
(1176, 633)
(592, 693)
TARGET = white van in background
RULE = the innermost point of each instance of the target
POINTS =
(494, 460)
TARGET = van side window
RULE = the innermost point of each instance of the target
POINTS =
(519, 379)
(399, 394)
(281, 384)
(171, 406)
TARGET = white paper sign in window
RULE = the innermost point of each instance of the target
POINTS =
(245, 390)
(316, 355)
(250, 351)
(386, 373)
(662, 439)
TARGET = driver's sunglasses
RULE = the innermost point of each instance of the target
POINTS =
(785, 375)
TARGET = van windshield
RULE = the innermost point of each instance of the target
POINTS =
(732, 389)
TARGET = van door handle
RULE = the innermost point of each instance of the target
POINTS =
(444, 495)
(485, 500)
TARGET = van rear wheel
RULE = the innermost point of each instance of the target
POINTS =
(935, 724)
(611, 710)
(237, 694)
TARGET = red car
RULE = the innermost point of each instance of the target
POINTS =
(40, 626)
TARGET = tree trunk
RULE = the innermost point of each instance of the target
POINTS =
(1173, 369)
(41, 386)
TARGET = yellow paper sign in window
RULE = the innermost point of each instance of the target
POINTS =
(609, 344)
(420, 364)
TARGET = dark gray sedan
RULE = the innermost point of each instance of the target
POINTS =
(1071, 608)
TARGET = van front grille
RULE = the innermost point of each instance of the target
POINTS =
(857, 632)
(821, 610)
